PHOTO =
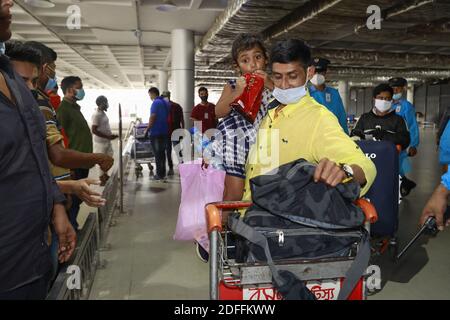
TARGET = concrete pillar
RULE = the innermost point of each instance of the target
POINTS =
(183, 81)
(410, 94)
(163, 81)
(344, 92)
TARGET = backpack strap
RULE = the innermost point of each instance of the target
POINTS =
(358, 267)
(273, 104)
(352, 276)
(286, 282)
(241, 228)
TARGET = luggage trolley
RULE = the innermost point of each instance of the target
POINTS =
(142, 151)
(230, 280)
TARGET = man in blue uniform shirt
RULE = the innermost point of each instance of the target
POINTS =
(327, 96)
(405, 109)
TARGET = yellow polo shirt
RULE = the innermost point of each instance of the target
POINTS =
(305, 130)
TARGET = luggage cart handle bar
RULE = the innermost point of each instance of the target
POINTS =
(214, 219)
(369, 210)
(213, 216)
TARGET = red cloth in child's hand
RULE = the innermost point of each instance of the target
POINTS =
(249, 102)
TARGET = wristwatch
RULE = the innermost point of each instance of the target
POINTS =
(348, 170)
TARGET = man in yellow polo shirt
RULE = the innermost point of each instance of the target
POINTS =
(299, 127)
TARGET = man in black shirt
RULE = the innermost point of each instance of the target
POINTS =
(29, 196)
(176, 121)
(382, 123)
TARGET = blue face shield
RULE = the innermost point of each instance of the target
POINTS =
(397, 96)
(51, 84)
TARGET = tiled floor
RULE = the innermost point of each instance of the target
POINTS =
(145, 263)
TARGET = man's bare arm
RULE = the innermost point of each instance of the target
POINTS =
(71, 159)
(101, 134)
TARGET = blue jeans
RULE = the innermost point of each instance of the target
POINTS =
(159, 145)
(179, 155)
(169, 153)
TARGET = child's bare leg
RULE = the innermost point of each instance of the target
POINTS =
(234, 190)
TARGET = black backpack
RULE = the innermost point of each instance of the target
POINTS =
(294, 218)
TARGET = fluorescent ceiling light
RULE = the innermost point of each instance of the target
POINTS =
(167, 5)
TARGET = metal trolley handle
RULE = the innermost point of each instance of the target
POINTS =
(214, 220)
(215, 227)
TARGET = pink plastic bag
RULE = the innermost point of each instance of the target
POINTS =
(199, 186)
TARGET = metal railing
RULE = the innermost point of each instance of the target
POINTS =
(86, 258)
(112, 187)
(92, 238)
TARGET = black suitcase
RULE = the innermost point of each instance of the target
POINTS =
(384, 193)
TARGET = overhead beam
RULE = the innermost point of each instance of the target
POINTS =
(81, 73)
(50, 30)
(364, 57)
(117, 64)
(299, 16)
(139, 40)
(341, 72)
(232, 9)
(403, 7)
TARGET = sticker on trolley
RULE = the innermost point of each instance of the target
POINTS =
(261, 294)
(323, 290)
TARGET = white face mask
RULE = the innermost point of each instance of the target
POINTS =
(383, 105)
(318, 79)
(289, 96)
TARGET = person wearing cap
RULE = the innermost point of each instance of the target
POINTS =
(405, 109)
(102, 132)
(176, 121)
(327, 96)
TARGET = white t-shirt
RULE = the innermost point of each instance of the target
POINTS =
(100, 119)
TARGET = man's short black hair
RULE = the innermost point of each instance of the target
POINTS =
(154, 90)
(291, 50)
(383, 87)
(17, 51)
(101, 101)
(48, 54)
(202, 89)
(69, 82)
(247, 41)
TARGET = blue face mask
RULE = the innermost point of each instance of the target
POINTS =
(397, 96)
(290, 96)
(2, 48)
(80, 94)
(51, 84)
